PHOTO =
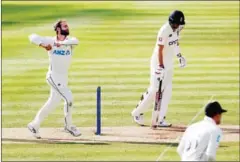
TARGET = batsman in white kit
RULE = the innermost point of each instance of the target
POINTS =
(161, 71)
(60, 50)
(201, 140)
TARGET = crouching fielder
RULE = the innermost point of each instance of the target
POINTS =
(162, 68)
(60, 50)
(201, 140)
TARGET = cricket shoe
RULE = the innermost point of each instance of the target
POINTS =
(72, 130)
(139, 119)
(163, 123)
(34, 131)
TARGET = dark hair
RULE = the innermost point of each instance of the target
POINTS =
(58, 24)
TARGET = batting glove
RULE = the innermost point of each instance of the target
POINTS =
(182, 60)
(160, 72)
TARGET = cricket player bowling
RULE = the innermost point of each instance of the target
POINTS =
(161, 68)
(60, 51)
(201, 140)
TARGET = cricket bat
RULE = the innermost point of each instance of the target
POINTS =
(157, 105)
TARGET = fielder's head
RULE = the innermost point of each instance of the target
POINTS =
(214, 110)
(176, 19)
(61, 28)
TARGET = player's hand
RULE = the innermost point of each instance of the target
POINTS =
(47, 47)
(182, 60)
(160, 72)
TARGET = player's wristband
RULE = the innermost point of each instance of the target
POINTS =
(162, 66)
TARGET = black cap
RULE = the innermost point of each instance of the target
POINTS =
(213, 108)
(177, 17)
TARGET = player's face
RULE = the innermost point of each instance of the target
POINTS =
(64, 28)
(218, 118)
(175, 26)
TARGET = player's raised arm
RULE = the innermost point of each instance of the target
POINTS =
(37, 39)
(70, 41)
(45, 42)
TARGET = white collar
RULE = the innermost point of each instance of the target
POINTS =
(63, 40)
(208, 119)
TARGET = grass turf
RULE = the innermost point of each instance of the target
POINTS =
(117, 39)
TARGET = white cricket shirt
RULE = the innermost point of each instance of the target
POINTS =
(169, 39)
(200, 141)
(59, 57)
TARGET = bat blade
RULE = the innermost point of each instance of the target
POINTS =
(157, 105)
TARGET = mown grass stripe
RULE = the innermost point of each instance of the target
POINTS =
(106, 60)
(137, 86)
(106, 103)
(119, 93)
(130, 80)
(109, 110)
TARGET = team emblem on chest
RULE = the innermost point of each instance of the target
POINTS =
(62, 51)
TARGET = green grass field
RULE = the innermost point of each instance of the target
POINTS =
(116, 43)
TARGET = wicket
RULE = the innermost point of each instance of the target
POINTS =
(98, 132)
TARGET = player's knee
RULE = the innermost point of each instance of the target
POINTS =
(69, 100)
(69, 103)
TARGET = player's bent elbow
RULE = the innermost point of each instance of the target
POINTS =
(31, 37)
(34, 38)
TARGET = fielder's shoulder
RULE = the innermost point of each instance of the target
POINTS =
(218, 130)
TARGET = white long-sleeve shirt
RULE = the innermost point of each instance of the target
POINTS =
(169, 39)
(200, 141)
(59, 57)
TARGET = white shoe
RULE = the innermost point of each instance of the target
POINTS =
(72, 130)
(163, 123)
(34, 131)
(139, 119)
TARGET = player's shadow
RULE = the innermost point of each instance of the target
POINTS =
(174, 144)
(79, 142)
(52, 141)
(223, 146)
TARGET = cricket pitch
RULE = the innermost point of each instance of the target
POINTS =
(126, 134)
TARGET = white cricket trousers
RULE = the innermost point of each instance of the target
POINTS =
(149, 97)
(58, 91)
